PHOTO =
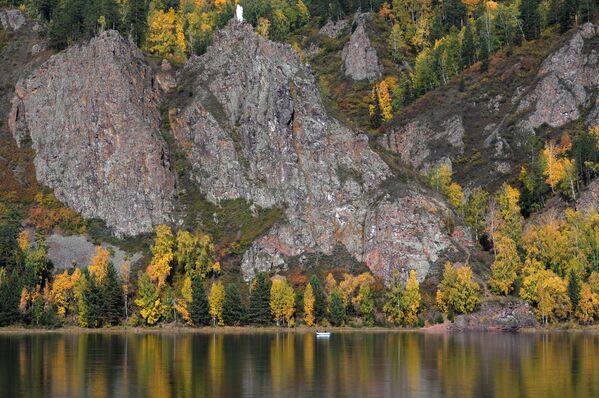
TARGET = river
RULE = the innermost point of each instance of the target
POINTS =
(287, 364)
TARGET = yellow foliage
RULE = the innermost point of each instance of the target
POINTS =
(153, 313)
(554, 302)
(282, 301)
(384, 100)
(216, 299)
(457, 291)
(410, 301)
(162, 255)
(165, 36)
(263, 27)
(23, 241)
(506, 266)
(62, 292)
(309, 301)
(588, 306)
(182, 305)
(330, 283)
(98, 265)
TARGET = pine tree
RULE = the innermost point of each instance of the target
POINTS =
(336, 308)
(484, 54)
(455, 13)
(531, 19)
(468, 47)
(574, 290)
(259, 313)
(319, 300)
(136, 20)
(199, 309)
(567, 15)
(367, 305)
(10, 290)
(94, 303)
(553, 12)
(112, 293)
(233, 311)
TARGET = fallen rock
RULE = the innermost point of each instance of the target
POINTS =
(333, 29)
(505, 315)
(92, 116)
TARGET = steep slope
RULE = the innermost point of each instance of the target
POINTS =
(486, 130)
(92, 116)
(254, 127)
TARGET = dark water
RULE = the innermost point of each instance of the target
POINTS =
(300, 365)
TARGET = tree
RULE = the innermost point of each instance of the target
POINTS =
(574, 290)
(457, 292)
(394, 295)
(336, 308)
(567, 15)
(148, 300)
(216, 299)
(366, 305)
(282, 301)
(194, 253)
(510, 219)
(475, 210)
(136, 20)
(259, 312)
(468, 47)
(531, 19)
(554, 302)
(309, 305)
(9, 301)
(162, 255)
(233, 310)
(183, 304)
(588, 305)
(506, 266)
(199, 310)
(112, 295)
(98, 265)
(165, 36)
(484, 52)
(410, 301)
(319, 300)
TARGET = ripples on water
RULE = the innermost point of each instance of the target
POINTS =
(299, 365)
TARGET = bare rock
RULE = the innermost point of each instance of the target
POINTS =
(419, 142)
(589, 198)
(497, 315)
(333, 29)
(359, 57)
(92, 116)
(12, 20)
(567, 80)
(256, 128)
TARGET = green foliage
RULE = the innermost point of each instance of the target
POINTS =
(367, 307)
(233, 309)
(337, 310)
(457, 292)
(113, 297)
(574, 290)
(10, 290)
(320, 304)
(10, 224)
(476, 210)
(147, 300)
(199, 308)
(136, 20)
(259, 312)
(531, 18)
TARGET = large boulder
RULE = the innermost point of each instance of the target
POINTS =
(12, 20)
(256, 128)
(92, 116)
(360, 60)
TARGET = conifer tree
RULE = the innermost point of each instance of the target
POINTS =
(259, 313)
(199, 309)
(574, 290)
(468, 47)
(309, 305)
(112, 293)
(10, 290)
(336, 308)
(531, 19)
(136, 20)
(319, 300)
(233, 310)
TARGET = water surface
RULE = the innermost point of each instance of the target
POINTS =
(360, 364)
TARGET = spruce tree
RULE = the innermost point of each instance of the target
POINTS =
(233, 311)
(567, 15)
(468, 47)
(336, 309)
(455, 14)
(94, 302)
(112, 293)
(531, 19)
(9, 300)
(136, 20)
(574, 290)
(484, 54)
(259, 313)
(553, 12)
(199, 309)
(319, 300)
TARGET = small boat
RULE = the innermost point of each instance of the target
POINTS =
(322, 334)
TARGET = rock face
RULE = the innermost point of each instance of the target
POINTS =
(333, 29)
(498, 315)
(256, 128)
(567, 80)
(12, 20)
(91, 114)
(487, 127)
(359, 57)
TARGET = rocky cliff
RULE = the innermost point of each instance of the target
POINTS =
(91, 114)
(255, 127)
(360, 60)
(485, 130)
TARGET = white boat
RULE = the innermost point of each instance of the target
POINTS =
(323, 334)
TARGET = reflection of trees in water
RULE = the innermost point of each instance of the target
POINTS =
(283, 364)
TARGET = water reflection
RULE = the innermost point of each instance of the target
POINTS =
(288, 365)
